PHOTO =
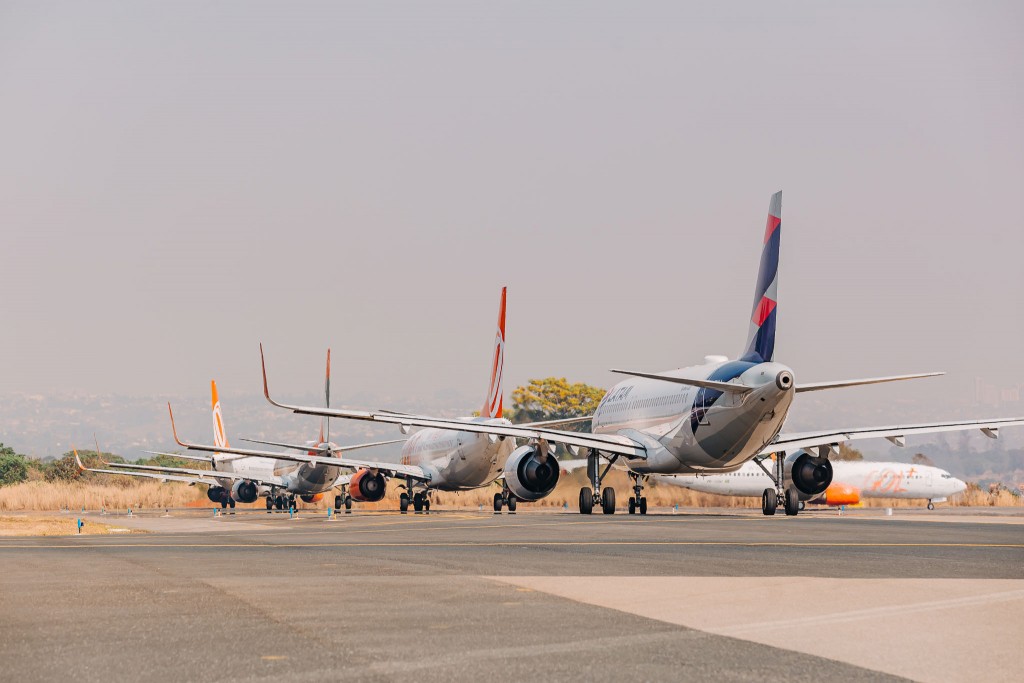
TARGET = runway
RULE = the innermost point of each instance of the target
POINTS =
(468, 595)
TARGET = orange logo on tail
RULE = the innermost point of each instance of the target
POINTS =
(493, 402)
(220, 439)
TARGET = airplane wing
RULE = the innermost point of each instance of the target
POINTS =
(395, 469)
(200, 458)
(336, 448)
(185, 471)
(190, 480)
(895, 434)
(818, 386)
(727, 387)
(608, 443)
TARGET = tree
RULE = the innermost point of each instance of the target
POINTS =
(848, 453)
(553, 398)
(64, 469)
(922, 459)
(13, 467)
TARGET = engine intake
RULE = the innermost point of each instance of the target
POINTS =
(216, 493)
(530, 474)
(810, 474)
(367, 487)
(244, 491)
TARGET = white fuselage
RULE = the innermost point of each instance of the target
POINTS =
(457, 460)
(870, 479)
(296, 478)
(687, 429)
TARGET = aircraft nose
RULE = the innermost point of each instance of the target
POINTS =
(959, 485)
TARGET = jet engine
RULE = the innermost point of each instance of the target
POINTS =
(367, 487)
(810, 474)
(216, 493)
(244, 491)
(531, 474)
(313, 498)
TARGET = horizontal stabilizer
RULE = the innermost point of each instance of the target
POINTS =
(818, 386)
(726, 387)
(325, 448)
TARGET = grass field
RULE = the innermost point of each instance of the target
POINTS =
(33, 525)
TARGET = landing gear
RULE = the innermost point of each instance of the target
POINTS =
(589, 497)
(270, 504)
(586, 501)
(505, 499)
(931, 505)
(512, 502)
(231, 503)
(638, 501)
(769, 501)
(792, 502)
(498, 502)
(279, 502)
(348, 504)
(403, 502)
(419, 501)
(608, 501)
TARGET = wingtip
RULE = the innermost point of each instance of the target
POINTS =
(174, 429)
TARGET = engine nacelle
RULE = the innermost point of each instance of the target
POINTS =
(810, 474)
(530, 474)
(841, 494)
(312, 498)
(245, 491)
(367, 487)
(216, 493)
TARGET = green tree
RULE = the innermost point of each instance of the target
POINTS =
(848, 453)
(553, 398)
(13, 467)
(64, 469)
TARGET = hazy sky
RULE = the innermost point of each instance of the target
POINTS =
(180, 181)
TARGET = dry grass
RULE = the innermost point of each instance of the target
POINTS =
(138, 495)
(25, 525)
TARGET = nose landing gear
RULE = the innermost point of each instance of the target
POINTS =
(638, 501)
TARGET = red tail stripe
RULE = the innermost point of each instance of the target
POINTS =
(772, 226)
(763, 310)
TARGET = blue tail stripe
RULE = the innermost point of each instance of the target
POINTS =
(769, 265)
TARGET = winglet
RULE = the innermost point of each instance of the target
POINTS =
(78, 459)
(266, 389)
(174, 430)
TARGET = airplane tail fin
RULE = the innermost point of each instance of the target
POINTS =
(220, 438)
(493, 401)
(325, 422)
(761, 340)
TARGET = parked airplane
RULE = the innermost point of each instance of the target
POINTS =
(463, 455)
(242, 477)
(852, 481)
(703, 419)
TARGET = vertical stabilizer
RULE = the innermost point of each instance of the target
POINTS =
(220, 439)
(761, 340)
(493, 402)
(325, 422)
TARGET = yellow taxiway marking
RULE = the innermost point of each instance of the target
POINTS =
(519, 544)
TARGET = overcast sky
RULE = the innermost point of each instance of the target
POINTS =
(181, 181)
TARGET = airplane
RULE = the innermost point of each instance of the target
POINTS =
(459, 457)
(709, 418)
(852, 481)
(243, 478)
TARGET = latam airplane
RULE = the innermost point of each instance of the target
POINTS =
(852, 481)
(240, 477)
(465, 456)
(709, 418)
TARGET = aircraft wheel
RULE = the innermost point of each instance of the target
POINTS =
(632, 506)
(426, 503)
(337, 503)
(403, 502)
(417, 502)
(769, 501)
(498, 502)
(279, 502)
(792, 502)
(223, 503)
(348, 503)
(231, 503)
(270, 504)
(931, 505)
(608, 501)
(643, 505)
(586, 501)
(512, 503)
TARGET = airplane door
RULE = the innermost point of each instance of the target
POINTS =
(462, 447)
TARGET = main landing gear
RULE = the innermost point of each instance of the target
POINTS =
(589, 497)
(770, 498)
(505, 499)
(638, 502)
(420, 502)
(343, 499)
(931, 505)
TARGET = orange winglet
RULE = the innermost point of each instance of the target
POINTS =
(174, 429)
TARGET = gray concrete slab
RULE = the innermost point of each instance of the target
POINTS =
(388, 596)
